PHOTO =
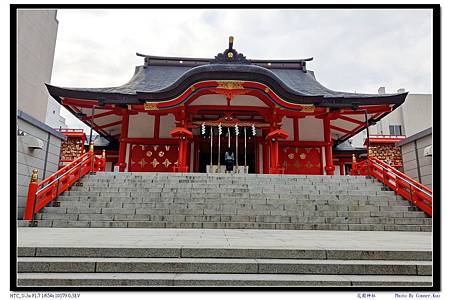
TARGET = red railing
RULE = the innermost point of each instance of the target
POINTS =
(42, 193)
(403, 185)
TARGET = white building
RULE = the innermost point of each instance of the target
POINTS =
(413, 116)
(38, 144)
(54, 118)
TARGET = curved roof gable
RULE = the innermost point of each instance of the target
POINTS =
(161, 78)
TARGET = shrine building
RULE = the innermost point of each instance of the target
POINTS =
(180, 114)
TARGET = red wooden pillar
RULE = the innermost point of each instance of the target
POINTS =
(329, 166)
(31, 197)
(195, 164)
(341, 167)
(183, 135)
(273, 138)
(257, 158)
(123, 144)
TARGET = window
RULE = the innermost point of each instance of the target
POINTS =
(395, 129)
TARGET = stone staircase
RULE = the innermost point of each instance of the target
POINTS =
(233, 201)
(258, 266)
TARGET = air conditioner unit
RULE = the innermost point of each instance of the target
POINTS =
(428, 151)
(31, 142)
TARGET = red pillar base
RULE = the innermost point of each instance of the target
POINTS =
(276, 171)
(329, 170)
(184, 135)
(121, 166)
(184, 169)
(273, 138)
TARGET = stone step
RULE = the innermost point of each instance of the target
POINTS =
(242, 201)
(226, 225)
(114, 214)
(228, 185)
(210, 176)
(217, 265)
(259, 209)
(300, 204)
(322, 213)
(189, 279)
(189, 198)
(220, 184)
(241, 252)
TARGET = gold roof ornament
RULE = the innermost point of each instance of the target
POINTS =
(230, 85)
(150, 106)
(230, 42)
(307, 108)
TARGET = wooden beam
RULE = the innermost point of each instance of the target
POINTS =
(348, 119)
(340, 129)
(103, 114)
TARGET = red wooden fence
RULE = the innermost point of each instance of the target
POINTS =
(403, 185)
(42, 193)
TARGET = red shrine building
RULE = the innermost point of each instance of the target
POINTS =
(180, 114)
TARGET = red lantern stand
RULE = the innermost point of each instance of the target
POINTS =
(184, 136)
(273, 138)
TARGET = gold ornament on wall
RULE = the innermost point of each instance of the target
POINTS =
(155, 163)
(142, 162)
(166, 163)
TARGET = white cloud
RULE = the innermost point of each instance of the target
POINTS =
(353, 50)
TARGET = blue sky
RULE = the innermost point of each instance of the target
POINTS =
(353, 50)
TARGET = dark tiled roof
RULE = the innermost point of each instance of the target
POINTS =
(163, 77)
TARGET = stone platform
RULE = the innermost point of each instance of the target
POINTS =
(221, 257)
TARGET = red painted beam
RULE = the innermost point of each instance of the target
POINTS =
(94, 126)
(370, 110)
(296, 135)
(79, 102)
(303, 143)
(156, 126)
(151, 141)
(103, 114)
(340, 129)
(351, 120)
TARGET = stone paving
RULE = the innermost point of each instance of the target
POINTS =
(221, 257)
(223, 238)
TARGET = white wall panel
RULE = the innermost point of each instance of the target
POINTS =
(311, 129)
(167, 123)
(141, 126)
(213, 99)
(245, 100)
(287, 125)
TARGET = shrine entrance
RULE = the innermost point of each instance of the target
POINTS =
(246, 156)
